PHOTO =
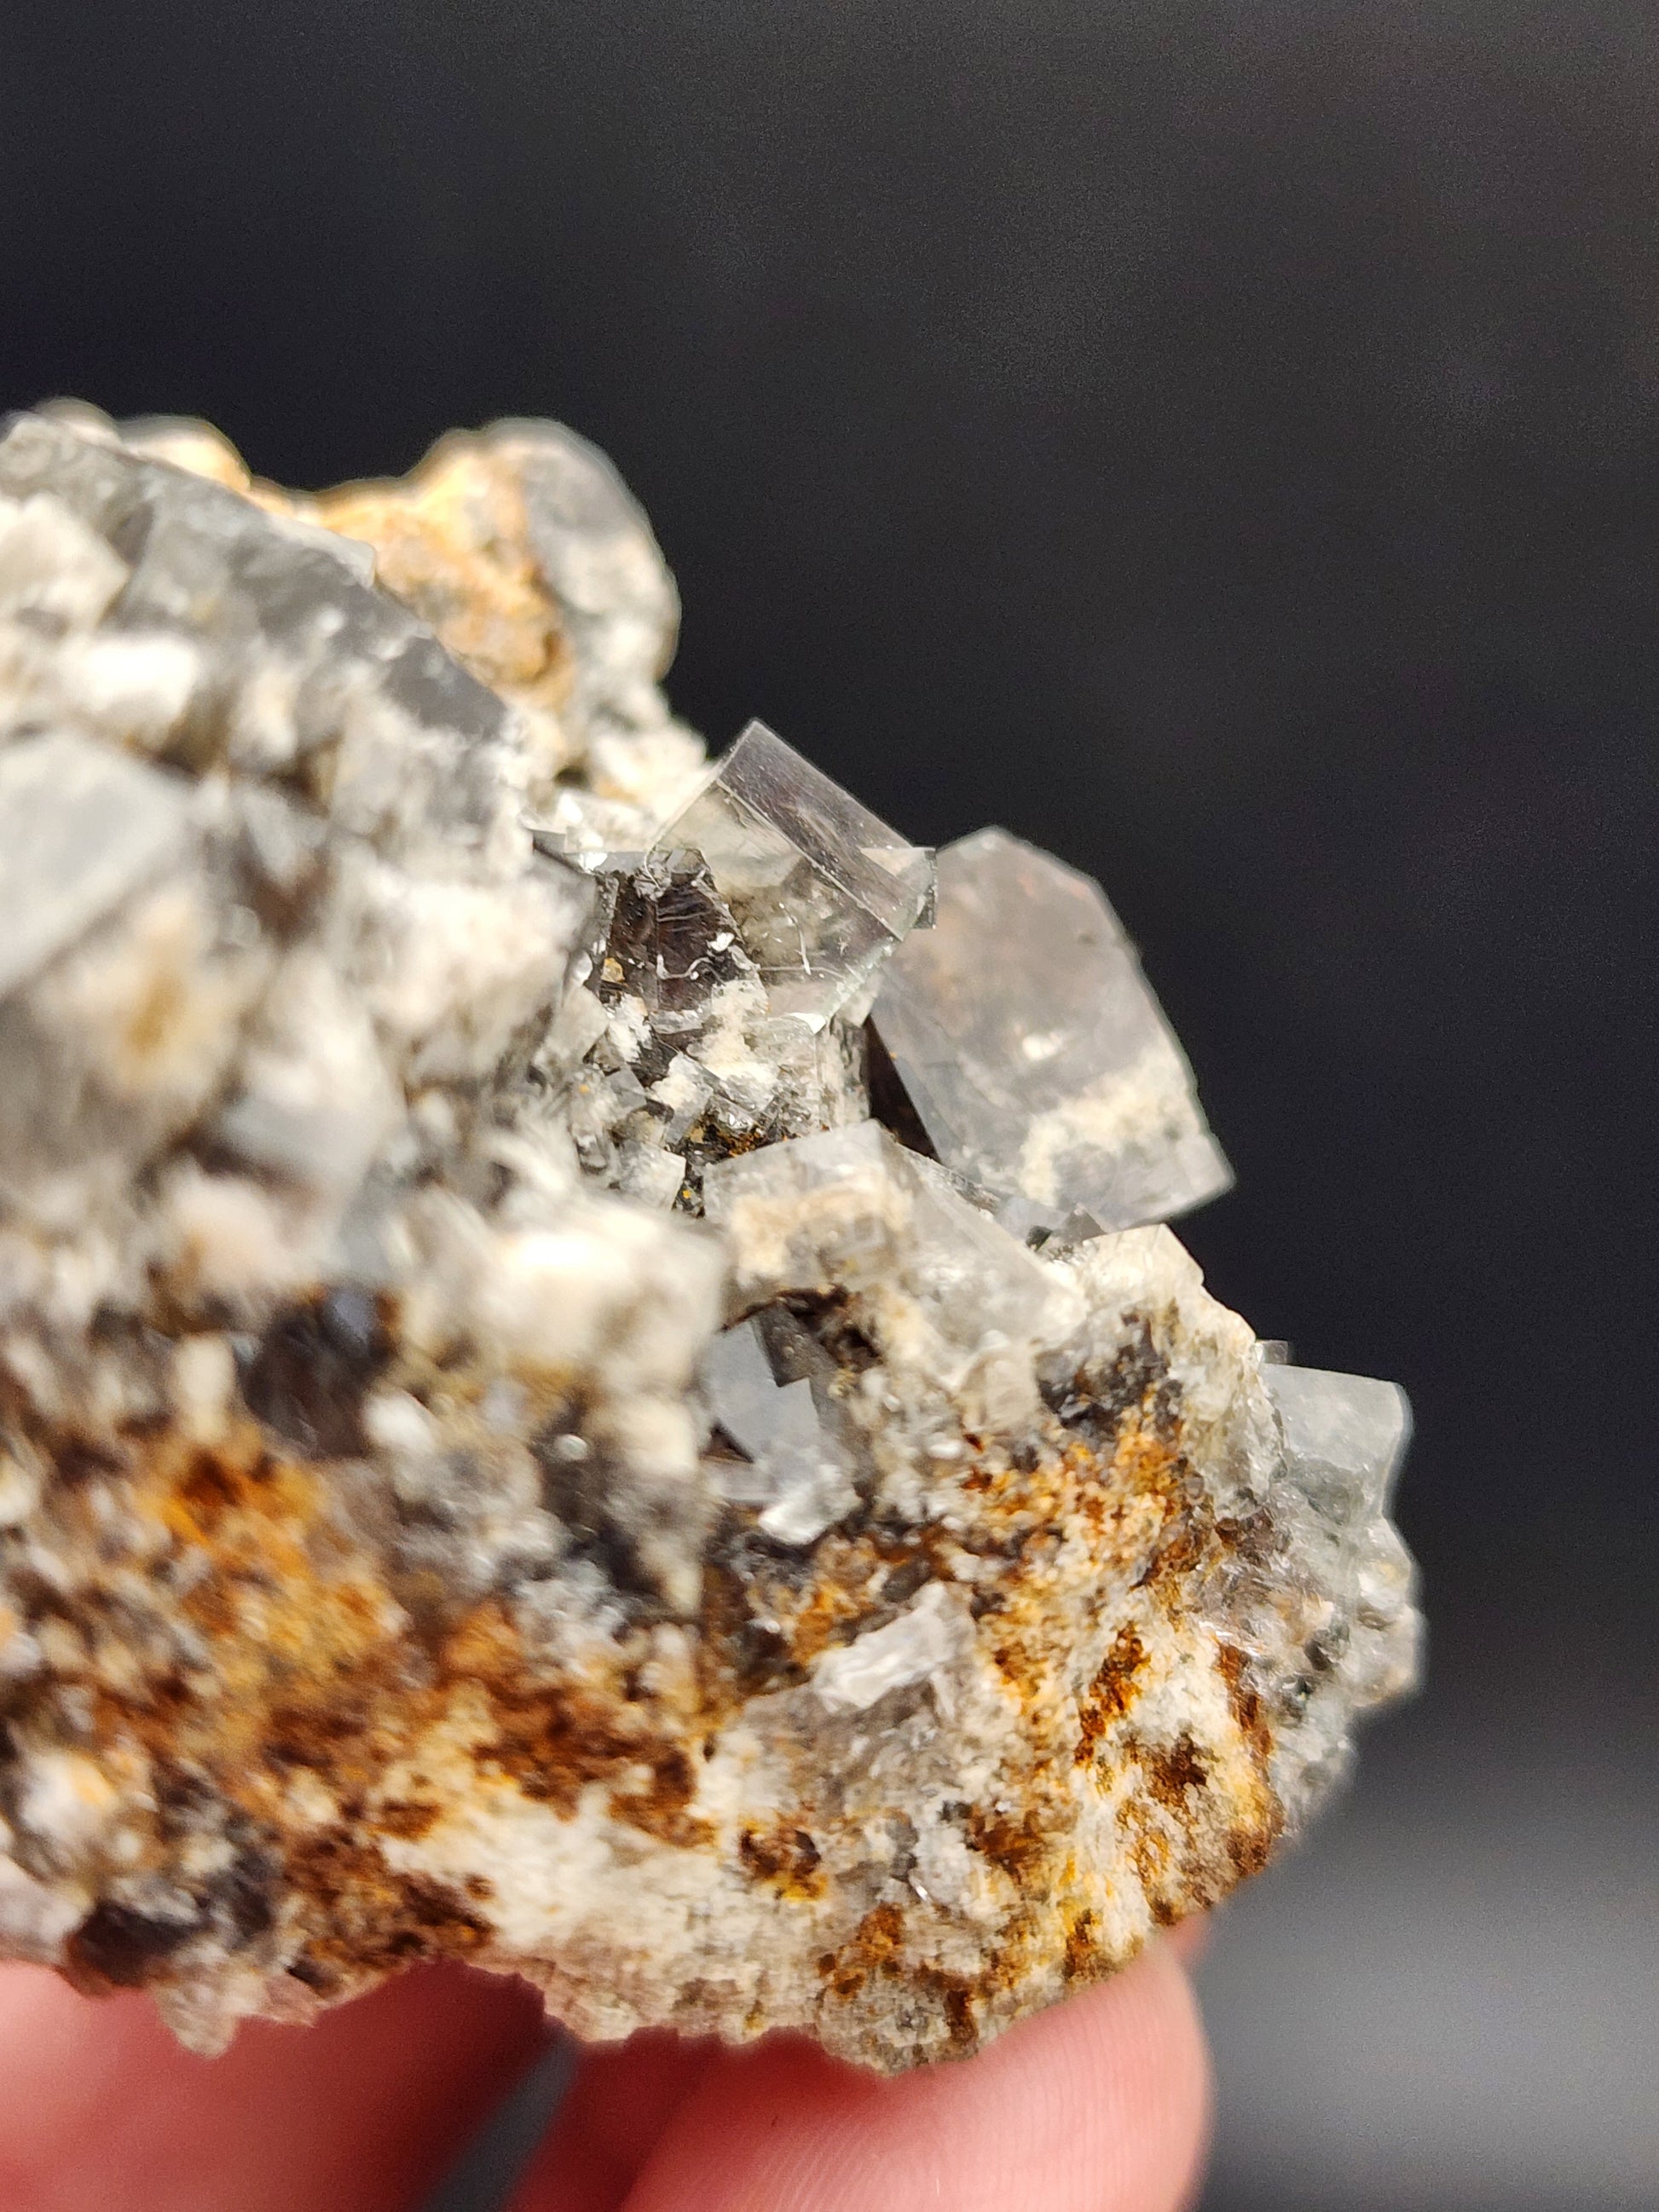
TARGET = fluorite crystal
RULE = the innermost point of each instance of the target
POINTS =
(820, 890)
(1037, 1061)
(531, 1430)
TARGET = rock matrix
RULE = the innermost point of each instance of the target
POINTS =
(593, 1377)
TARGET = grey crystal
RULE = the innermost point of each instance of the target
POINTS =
(829, 1613)
(1035, 1056)
(84, 828)
(1345, 1437)
(800, 1475)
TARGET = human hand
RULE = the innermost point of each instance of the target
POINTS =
(1099, 2106)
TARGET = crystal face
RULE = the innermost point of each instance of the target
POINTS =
(799, 1478)
(1034, 1057)
(852, 1207)
(821, 890)
(531, 1430)
(83, 829)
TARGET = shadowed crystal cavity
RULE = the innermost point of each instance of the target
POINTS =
(820, 890)
(1038, 1062)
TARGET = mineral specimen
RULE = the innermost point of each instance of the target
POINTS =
(529, 1430)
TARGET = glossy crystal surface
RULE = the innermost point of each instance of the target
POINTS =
(821, 890)
(1034, 1054)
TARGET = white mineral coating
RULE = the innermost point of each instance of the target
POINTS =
(821, 890)
(421, 1534)
(1033, 1053)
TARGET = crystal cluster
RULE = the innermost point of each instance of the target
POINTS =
(591, 1375)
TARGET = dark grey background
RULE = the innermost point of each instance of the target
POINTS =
(1217, 441)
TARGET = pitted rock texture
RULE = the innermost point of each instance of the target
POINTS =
(534, 1426)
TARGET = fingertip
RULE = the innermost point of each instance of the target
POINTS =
(365, 2107)
(1100, 2105)
(1190, 1938)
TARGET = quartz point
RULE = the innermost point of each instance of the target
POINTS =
(529, 1430)
(1035, 1056)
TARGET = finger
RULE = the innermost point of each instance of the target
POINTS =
(622, 2098)
(364, 2109)
(1099, 2105)
(1189, 1938)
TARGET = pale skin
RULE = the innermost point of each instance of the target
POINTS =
(1099, 2105)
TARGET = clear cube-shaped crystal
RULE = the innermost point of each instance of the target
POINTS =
(1345, 1435)
(820, 890)
(739, 1388)
(1344, 1438)
(1035, 1056)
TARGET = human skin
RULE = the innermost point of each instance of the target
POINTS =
(1099, 2105)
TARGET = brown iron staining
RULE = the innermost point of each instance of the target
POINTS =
(786, 1858)
(1109, 1695)
(326, 1685)
(311, 1688)
(370, 1919)
(874, 1948)
(877, 1950)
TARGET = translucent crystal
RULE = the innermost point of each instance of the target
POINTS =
(669, 941)
(852, 1208)
(929, 1635)
(1034, 1056)
(1345, 1434)
(811, 1487)
(920, 1620)
(821, 890)
(736, 1380)
(648, 1173)
(978, 1278)
(802, 1479)
(1347, 1599)
(815, 1211)
(84, 827)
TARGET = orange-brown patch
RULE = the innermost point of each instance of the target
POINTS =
(452, 543)
(1245, 1705)
(1249, 1849)
(872, 1946)
(1018, 1847)
(1172, 1770)
(1109, 1695)
(786, 1858)
(1082, 1961)
(365, 1918)
(312, 1671)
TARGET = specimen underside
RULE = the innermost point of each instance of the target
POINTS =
(592, 1379)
